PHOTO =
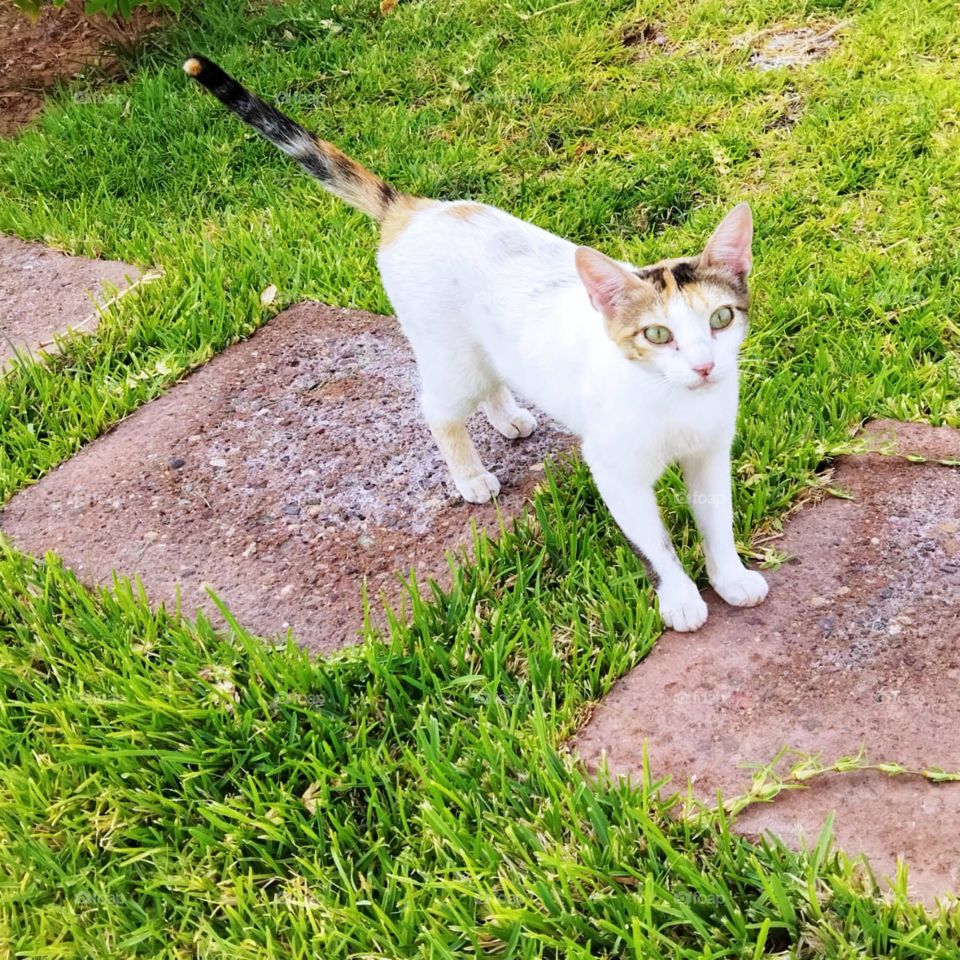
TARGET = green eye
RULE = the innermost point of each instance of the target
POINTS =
(657, 334)
(721, 318)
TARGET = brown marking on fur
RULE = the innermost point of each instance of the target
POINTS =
(344, 168)
(628, 318)
(648, 567)
(706, 295)
(699, 296)
(464, 211)
(354, 183)
(687, 275)
(388, 195)
(399, 215)
(340, 174)
(704, 288)
(712, 286)
(736, 287)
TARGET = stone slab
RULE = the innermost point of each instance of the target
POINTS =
(45, 293)
(283, 474)
(857, 646)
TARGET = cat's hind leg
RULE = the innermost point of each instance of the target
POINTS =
(506, 416)
(451, 390)
(474, 482)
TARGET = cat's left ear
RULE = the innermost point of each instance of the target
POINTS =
(729, 246)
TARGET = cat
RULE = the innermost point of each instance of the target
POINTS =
(639, 363)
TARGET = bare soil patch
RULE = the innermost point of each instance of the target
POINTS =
(44, 292)
(790, 47)
(788, 109)
(59, 45)
(643, 37)
(857, 646)
(283, 474)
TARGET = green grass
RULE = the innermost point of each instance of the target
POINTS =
(153, 770)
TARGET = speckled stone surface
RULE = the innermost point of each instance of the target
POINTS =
(856, 647)
(283, 474)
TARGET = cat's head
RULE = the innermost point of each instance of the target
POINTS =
(684, 319)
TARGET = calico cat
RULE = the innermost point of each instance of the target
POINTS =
(640, 363)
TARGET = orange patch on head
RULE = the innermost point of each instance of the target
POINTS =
(669, 283)
(699, 285)
(624, 299)
(626, 321)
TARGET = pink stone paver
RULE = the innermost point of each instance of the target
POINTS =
(44, 293)
(283, 474)
(857, 646)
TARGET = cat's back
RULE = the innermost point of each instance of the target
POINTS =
(470, 243)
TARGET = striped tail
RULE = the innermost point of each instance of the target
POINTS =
(339, 174)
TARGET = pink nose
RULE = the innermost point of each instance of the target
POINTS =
(704, 369)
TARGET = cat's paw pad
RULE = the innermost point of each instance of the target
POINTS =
(479, 488)
(682, 608)
(745, 588)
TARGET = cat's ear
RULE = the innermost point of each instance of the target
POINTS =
(729, 247)
(606, 281)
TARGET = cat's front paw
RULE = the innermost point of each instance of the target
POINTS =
(479, 488)
(682, 607)
(744, 588)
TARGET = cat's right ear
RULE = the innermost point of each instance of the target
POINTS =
(606, 281)
(729, 246)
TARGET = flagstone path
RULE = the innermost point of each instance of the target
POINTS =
(284, 474)
(44, 293)
(294, 468)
